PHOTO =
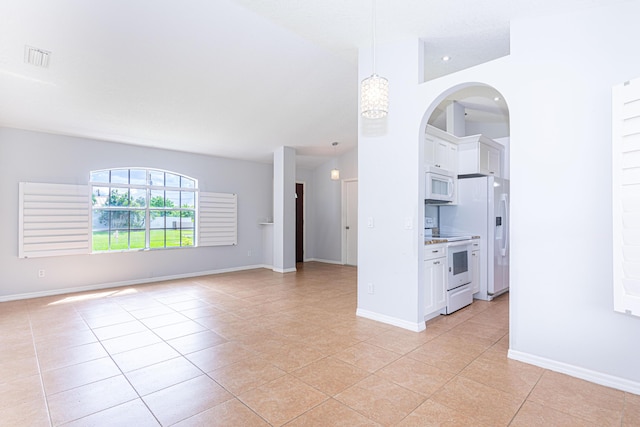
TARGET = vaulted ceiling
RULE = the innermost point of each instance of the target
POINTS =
(230, 78)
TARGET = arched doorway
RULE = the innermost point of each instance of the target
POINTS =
(473, 119)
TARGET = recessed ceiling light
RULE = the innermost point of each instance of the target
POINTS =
(497, 98)
(446, 58)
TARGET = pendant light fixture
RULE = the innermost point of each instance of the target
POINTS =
(374, 90)
(335, 173)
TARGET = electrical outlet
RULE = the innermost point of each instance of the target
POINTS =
(41, 273)
(370, 288)
(249, 253)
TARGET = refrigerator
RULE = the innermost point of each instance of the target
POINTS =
(482, 209)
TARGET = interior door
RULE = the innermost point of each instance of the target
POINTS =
(351, 222)
(299, 222)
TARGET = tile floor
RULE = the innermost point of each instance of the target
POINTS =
(257, 348)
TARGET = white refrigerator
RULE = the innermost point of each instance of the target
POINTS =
(482, 210)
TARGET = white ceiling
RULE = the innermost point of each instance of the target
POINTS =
(230, 78)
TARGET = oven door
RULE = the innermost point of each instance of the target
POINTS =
(459, 264)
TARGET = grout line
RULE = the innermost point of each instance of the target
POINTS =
(35, 350)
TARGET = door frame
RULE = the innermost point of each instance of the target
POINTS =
(343, 223)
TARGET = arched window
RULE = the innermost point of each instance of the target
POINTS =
(136, 208)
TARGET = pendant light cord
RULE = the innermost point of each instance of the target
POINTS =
(373, 31)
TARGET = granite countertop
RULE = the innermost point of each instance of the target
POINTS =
(429, 240)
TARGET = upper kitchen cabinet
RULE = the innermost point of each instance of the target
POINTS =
(441, 150)
(479, 155)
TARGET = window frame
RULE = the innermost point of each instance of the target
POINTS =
(190, 186)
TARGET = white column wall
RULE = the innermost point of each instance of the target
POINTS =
(388, 169)
(284, 210)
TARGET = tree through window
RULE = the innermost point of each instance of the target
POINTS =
(142, 209)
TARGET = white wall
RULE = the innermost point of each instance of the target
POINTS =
(324, 207)
(389, 188)
(40, 157)
(557, 83)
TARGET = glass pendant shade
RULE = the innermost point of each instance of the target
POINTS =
(374, 97)
(335, 174)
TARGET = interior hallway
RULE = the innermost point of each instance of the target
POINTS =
(259, 348)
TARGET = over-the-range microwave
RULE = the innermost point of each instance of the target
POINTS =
(439, 187)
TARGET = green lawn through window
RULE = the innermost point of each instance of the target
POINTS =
(120, 241)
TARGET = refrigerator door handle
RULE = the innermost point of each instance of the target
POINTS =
(505, 224)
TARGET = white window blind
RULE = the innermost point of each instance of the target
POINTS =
(626, 197)
(217, 219)
(54, 219)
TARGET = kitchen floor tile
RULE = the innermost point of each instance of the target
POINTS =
(130, 342)
(261, 348)
(380, 400)
(415, 376)
(432, 414)
(176, 330)
(494, 369)
(81, 401)
(23, 402)
(246, 374)
(486, 404)
(592, 402)
(534, 414)
(162, 375)
(80, 374)
(282, 400)
(183, 400)
(330, 375)
(332, 413)
(631, 410)
(67, 356)
(144, 356)
(219, 356)
(196, 341)
(230, 413)
(119, 330)
(367, 356)
(132, 413)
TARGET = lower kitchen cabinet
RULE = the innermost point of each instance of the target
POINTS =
(475, 271)
(435, 294)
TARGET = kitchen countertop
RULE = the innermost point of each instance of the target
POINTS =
(431, 240)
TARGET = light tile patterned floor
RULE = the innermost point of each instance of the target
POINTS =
(258, 348)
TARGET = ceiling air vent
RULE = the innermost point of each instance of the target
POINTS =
(37, 57)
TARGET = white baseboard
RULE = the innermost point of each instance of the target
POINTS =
(326, 261)
(284, 270)
(578, 372)
(134, 282)
(415, 327)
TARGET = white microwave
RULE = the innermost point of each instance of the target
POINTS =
(439, 188)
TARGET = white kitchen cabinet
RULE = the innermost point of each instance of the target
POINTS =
(435, 270)
(479, 155)
(440, 152)
(475, 271)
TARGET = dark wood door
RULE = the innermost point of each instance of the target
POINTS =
(299, 222)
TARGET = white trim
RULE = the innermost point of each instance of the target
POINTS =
(135, 282)
(576, 371)
(284, 270)
(415, 327)
(326, 261)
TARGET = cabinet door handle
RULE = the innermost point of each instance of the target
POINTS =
(434, 251)
(436, 262)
